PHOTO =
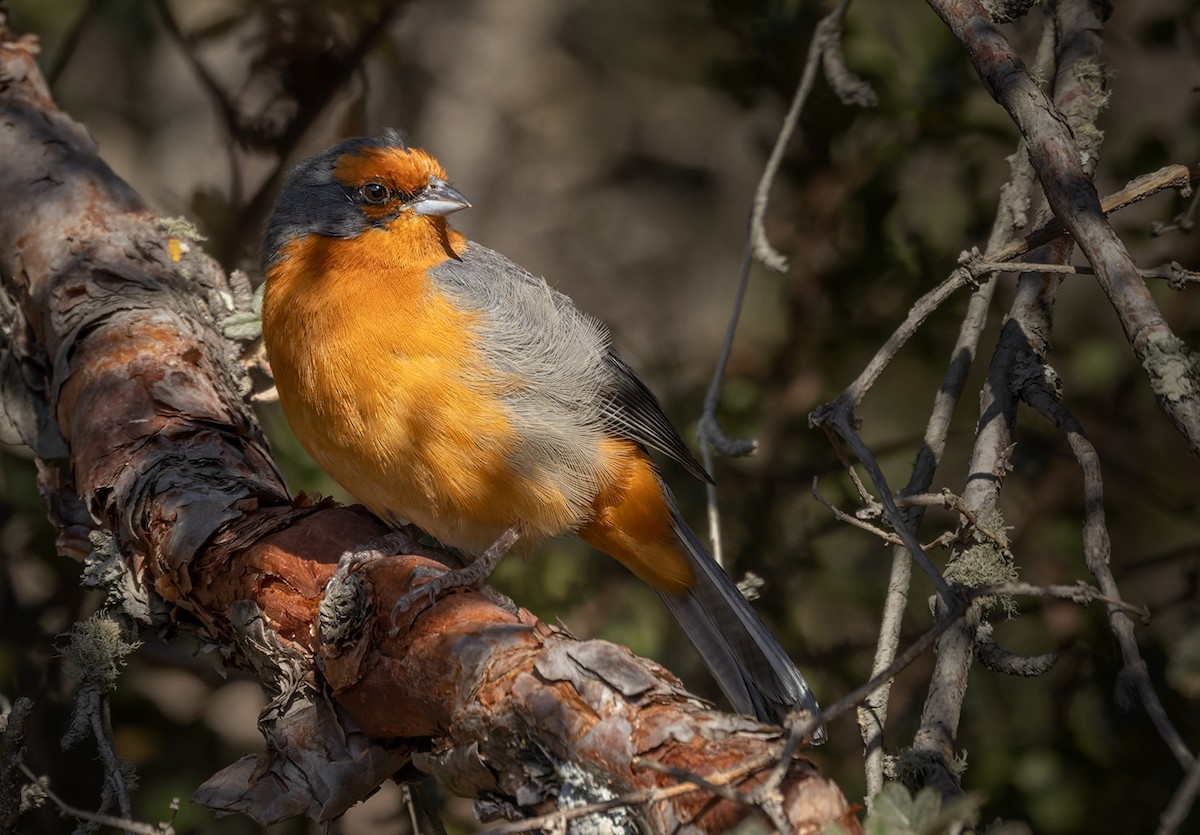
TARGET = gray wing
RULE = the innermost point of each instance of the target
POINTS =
(532, 328)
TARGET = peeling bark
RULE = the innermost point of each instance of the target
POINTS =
(115, 371)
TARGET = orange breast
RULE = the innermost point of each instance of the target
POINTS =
(380, 379)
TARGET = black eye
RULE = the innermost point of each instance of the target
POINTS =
(375, 193)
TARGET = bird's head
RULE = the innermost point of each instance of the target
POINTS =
(359, 184)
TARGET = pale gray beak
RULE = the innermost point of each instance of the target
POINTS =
(439, 198)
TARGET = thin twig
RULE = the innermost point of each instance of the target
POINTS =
(834, 420)
(1079, 592)
(64, 808)
(825, 43)
(828, 29)
(1174, 272)
(1097, 548)
(1011, 216)
(711, 433)
(944, 499)
(1169, 177)
(1182, 222)
(1181, 802)
(684, 776)
(843, 516)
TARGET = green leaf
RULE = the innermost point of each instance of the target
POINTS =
(896, 812)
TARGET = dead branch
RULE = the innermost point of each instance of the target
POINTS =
(1097, 550)
(825, 49)
(872, 716)
(1024, 340)
(1056, 157)
(1177, 810)
(124, 374)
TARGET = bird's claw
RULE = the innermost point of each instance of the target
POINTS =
(429, 589)
(470, 576)
(388, 545)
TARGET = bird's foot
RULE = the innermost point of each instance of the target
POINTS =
(344, 606)
(400, 541)
(470, 576)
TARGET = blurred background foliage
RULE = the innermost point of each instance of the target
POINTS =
(614, 147)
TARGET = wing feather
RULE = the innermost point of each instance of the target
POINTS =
(532, 328)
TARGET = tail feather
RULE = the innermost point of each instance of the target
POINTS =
(744, 657)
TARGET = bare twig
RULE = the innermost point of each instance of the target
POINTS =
(64, 808)
(969, 274)
(826, 37)
(1080, 593)
(1182, 222)
(1181, 802)
(872, 716)
(842, 516)
(1175, 176)
(1056, 159)
(826, 44)
(1097, 549)
(836, 419)
(685, 776)
(1178, 276)
(711, 433)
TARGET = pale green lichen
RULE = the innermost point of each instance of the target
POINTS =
(96, 651)
(1091, 76)
(1170, 366)
(180, 227)
(987, 562)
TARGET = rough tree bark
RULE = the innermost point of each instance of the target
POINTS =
(116, 372)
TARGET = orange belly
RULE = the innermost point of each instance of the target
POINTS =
(390, 405)
(385, 386)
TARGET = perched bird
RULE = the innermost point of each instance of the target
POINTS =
(443, 385)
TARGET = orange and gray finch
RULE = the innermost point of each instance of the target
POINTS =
(442, 384)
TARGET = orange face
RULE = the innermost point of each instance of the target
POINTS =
(401, 172)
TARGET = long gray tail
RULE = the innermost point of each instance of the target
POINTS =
(744, 657)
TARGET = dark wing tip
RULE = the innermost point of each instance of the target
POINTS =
(635, 413)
